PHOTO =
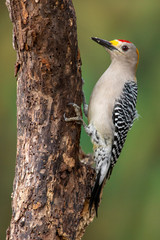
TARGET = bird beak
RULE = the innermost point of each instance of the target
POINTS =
(104, 43)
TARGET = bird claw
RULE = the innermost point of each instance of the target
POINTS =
(65, 118)
(76, 109)
(78, 117)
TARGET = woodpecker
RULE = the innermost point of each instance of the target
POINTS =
(111, 110)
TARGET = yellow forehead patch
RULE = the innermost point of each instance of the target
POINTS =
(114, 42)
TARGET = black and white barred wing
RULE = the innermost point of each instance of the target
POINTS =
(123, 117)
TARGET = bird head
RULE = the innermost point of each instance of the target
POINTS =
(122, 51)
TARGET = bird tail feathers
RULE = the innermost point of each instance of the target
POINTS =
(95, 196)
(96, 192)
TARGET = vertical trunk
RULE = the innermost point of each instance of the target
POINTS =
(51, 186)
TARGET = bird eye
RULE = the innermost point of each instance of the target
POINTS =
(125, 48)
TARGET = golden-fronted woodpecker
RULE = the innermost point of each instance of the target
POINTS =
(111, 110)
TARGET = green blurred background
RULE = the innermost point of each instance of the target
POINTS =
(130, 208)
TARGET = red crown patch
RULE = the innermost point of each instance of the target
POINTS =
(124, 41)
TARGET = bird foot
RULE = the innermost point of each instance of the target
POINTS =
(78, 117)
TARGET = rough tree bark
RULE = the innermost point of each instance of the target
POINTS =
(51, 186)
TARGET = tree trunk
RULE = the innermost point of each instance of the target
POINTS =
(52, 187)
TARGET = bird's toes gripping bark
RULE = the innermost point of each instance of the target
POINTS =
(78, 117)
